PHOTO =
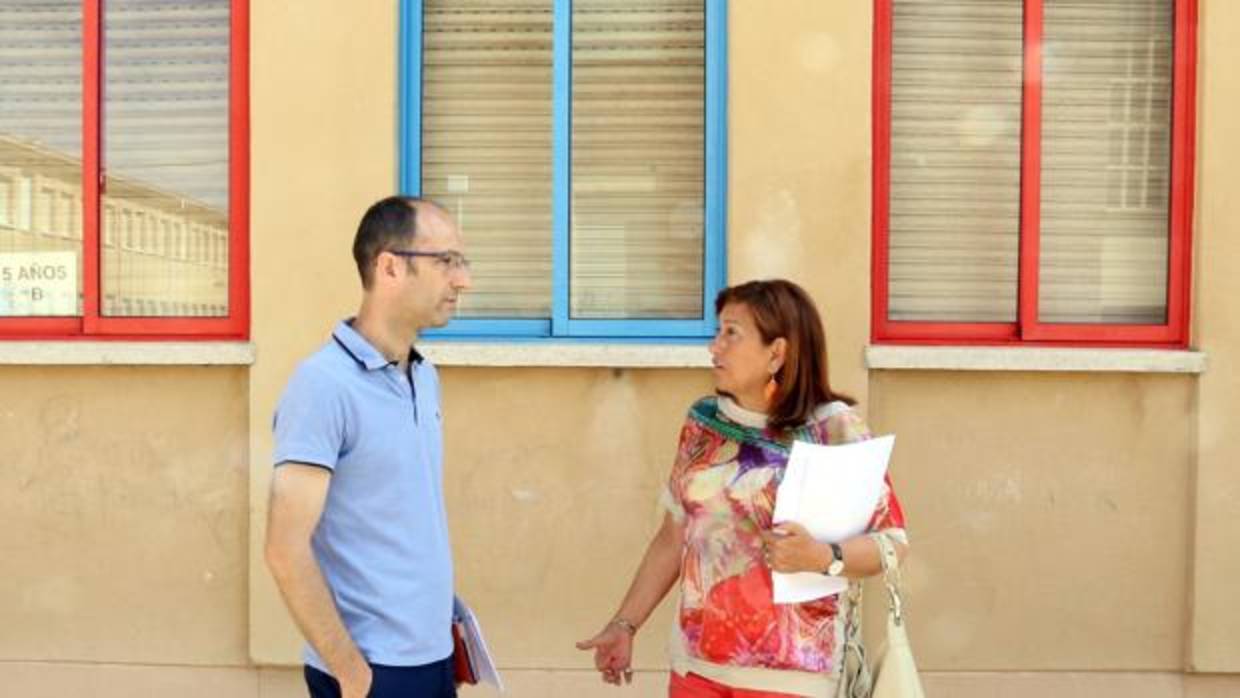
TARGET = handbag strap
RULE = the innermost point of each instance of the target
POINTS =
(891, 575)
(855, 679)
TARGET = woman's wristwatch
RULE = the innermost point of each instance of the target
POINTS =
(836, 568)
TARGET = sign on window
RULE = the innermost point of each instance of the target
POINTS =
(38, 283)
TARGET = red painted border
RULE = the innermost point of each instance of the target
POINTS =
(1183, 168)
(880, 208)
(1179, 223)
(953, 332)
(239, 171)
(92, 324)
(237, 324)
(1030, 169)
(92, 161)
(882, 329)
(1030, 331)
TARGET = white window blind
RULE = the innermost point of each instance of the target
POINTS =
(955, 160)
(40, 152)
(1106, 141)
(638, 119)
(487, 144)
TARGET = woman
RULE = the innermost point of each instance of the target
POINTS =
(717, 539)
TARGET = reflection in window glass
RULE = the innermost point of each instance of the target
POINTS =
(40, 161)
(165, 138)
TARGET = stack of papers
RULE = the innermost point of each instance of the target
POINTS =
(476, 647)
(831, 491)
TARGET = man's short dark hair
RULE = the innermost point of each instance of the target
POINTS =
(388, 224)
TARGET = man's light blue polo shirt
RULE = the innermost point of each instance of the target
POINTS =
(382, 541)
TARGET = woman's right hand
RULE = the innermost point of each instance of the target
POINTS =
(660, 568)
(613, 653)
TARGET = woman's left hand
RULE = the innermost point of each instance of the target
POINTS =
(790, 548)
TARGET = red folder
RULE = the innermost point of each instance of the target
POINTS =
(462, 663)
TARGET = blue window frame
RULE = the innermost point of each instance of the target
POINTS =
(560, 326)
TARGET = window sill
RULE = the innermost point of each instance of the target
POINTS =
(582, 355)
(152, 353)
(1034, 359)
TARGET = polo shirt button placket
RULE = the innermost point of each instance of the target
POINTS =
(413, 391)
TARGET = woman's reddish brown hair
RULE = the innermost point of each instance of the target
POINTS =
(781, 308)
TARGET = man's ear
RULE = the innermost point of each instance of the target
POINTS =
(385, 265)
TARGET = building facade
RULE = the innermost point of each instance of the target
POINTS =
(1069, 490)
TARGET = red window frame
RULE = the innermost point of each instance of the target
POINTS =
(93, 324)
(1029, 329)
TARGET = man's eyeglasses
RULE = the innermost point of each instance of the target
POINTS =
(448, 259)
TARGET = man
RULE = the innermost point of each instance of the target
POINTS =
(357, 535)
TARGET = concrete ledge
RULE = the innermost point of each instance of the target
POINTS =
(888, 357)
(55, 678)
(568, 683)
(152, 353)
(567, 355)
(24, 678)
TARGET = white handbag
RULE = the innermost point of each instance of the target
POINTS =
(894, 674)
(895, 671)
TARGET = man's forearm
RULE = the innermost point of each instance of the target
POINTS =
(305, 592)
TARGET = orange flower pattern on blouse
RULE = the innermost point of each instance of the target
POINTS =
(724, 481)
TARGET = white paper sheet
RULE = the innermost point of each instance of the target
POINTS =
(479, 655)
(832, 491)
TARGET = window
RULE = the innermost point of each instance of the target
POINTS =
(122, 122)
(1033, 171)
(580, 146)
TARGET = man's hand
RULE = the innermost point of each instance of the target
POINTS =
(355, 683)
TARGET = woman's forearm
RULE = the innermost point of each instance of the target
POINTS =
(659, 570)
(862, 557)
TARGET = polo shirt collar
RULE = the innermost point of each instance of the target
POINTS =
(362, 351)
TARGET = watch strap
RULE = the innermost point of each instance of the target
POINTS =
(837, 560)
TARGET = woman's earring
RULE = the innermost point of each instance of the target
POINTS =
(769, 390)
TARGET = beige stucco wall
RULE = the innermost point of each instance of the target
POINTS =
(1051, 516)
(799, 159)
(123, 515)
(546, 535)
(554, 514)
(323, 147)
(1215, 644)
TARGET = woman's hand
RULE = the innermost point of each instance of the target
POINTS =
(660, 568)
(613, 653)
(790, 548)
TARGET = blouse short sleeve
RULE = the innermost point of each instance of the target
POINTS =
(672, 497)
